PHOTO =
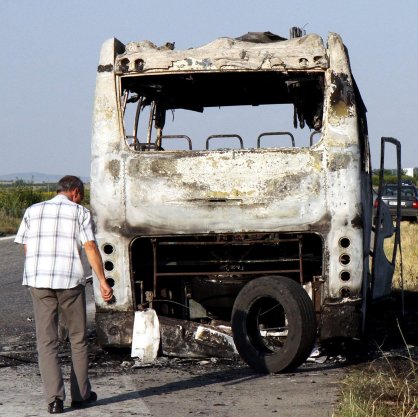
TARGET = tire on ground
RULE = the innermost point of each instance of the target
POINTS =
(268, 303)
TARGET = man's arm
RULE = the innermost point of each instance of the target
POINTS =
(95, 261)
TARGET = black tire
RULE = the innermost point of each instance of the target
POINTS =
(273, 324)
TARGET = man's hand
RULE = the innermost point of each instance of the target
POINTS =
(106, 291)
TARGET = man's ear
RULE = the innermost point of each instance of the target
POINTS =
(79, 194)
(74, 194)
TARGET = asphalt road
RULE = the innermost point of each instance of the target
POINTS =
(172, 387)
(15, 302)
(16, 314)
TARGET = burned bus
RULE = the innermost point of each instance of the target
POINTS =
(265, 223)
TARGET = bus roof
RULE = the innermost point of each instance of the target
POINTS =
(252, 52)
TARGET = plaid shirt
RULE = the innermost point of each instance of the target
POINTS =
(53, 232)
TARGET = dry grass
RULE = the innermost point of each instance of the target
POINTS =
(388, 386)
(409, 257)
(8, 224)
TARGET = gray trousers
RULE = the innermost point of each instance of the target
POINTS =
(72, 307)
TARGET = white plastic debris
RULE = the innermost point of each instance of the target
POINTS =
(145, 336)
(316, 356)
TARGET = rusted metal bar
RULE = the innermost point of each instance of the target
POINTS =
(244, 261)
(154, 255)
(138, 110)
(311, 137)
(261, 272)
(292, 138)
(225, 136)
(300, 260)
(177, 137)
(317, 288)
(151, 120)
(225, 243)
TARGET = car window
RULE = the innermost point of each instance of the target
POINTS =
(407, 192)
(392, 190)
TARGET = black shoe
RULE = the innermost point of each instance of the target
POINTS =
(85, 403)
(56, 407)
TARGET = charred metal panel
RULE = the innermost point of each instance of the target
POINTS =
(346, 260)
(115, 255)
(224, 191)
(188, 339)
(105, 68)
(224, 54)
(114, 328)
(106, 196)
(340, 318)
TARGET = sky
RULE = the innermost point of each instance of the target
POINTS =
(50, 51)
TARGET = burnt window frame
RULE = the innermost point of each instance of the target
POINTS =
(287, 93)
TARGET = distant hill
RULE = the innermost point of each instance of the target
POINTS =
(35, 177)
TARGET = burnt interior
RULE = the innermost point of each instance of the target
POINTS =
(196, 91)
(199, 276)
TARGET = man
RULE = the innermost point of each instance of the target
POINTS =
(53, 233)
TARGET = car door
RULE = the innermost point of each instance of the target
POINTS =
(384, 255)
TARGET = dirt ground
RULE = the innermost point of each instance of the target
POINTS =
(179, 387)
(207, 386)
(172, 386)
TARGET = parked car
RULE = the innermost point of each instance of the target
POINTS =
(408, 200)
